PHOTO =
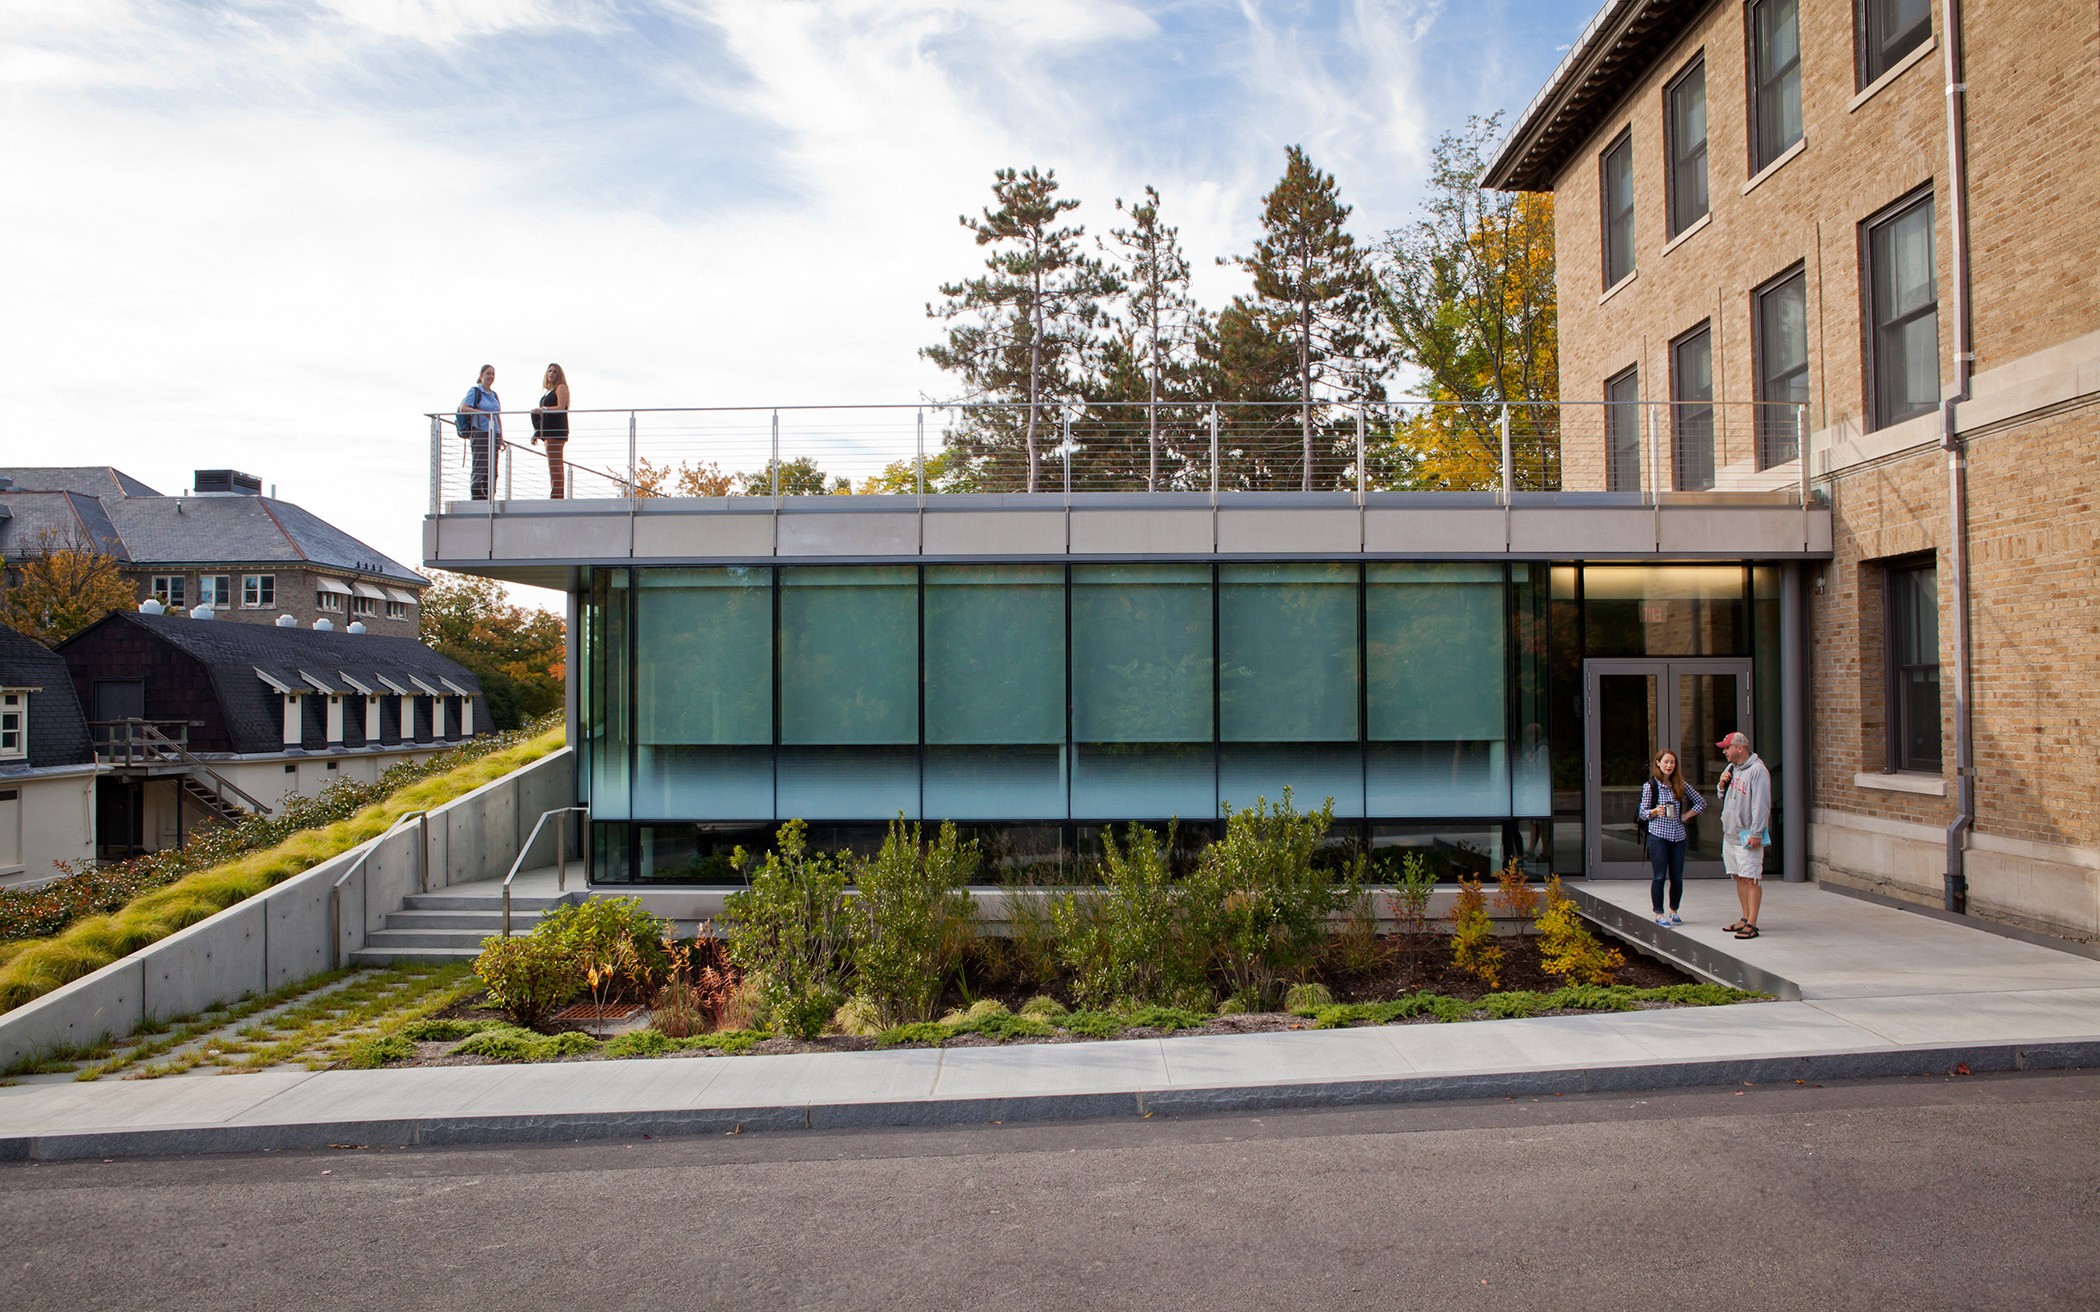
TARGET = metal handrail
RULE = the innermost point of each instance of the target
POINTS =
(154, 738)
(561, 855)
(335, 890)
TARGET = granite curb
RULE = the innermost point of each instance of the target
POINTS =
(581, 1126)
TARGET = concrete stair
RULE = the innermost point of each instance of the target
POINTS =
(451, 926)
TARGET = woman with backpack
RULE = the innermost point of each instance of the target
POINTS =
(550, 424)
(1666, 803)
(480, 421)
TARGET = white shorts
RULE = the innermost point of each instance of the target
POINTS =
(1742, 861)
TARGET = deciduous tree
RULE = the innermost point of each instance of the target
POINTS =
(519, 654)
(59, 588)
(1467, 294)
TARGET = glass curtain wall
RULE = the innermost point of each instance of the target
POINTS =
(703, 692)
(1289, 700)
(1143, 647)
(849, 691)
(995, 692)
(1437, 690)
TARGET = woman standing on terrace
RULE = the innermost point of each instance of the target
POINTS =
(550, 424)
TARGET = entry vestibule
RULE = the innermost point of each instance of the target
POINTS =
(1634, 709)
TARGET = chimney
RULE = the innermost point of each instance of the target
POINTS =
(225, 482)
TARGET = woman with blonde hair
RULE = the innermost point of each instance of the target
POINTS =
(1667, 801)
(550, 424)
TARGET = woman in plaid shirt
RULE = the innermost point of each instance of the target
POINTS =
(1666, 803)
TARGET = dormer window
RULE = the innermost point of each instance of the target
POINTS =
(14, 724)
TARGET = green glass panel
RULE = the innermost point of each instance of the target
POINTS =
(704, 656)
(606, 711)
(849, 655)
(995, 654)
(1436, 670)
(1141, 653)
(1287, 653)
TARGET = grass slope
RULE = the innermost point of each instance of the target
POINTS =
(35, 967)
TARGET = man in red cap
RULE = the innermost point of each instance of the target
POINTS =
(1746, 818)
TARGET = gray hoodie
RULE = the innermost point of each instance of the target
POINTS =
(1747, 801)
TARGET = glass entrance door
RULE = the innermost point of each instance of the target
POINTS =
(1633, 709)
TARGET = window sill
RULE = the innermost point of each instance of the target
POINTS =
(1924, 785)
(1896, 70)
(1785, 157)
(1618, 287)
(1697, 225)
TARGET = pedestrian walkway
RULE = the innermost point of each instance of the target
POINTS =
(1874, 991)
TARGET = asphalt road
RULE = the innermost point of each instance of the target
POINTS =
(1968, 1192)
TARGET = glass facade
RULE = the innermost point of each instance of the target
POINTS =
(1438, 704)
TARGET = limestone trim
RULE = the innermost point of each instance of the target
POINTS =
(1926, 785)
(1695, 226)
(1785, 156)
(1896, 70)
(1621, 285)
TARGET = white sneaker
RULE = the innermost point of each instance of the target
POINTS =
(1673, 919)
(1664, 921)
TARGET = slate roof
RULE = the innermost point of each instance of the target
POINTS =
(139, 526)
(98, 481)
(338, 660)
(26, 517)
(58, 732)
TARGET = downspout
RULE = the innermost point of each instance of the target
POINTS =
(1957, 880)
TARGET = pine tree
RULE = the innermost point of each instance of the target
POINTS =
(1149, 356)
(1251, 368)
(1020, 332)
(1467, 293)
(1312, 286)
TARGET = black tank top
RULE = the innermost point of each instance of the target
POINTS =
(553, 424)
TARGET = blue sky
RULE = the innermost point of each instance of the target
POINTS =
(270, 233)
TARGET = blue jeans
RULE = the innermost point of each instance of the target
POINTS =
(1666, 858)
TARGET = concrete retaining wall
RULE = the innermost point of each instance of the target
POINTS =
(285, 934)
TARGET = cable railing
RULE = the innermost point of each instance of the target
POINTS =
(484, 461)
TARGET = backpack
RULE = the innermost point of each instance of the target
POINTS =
(464, 420)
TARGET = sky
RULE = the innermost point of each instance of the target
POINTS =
(273, 234)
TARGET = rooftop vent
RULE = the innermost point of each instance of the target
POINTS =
(202, 613)
(320, 626)
(151, 606)
(287, 622)
(357, 626)
(5, 482)
(226, 482)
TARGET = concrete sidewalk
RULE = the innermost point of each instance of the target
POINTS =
(1877, 991)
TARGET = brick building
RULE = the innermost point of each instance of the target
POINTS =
(221, 543)
(1832, 204)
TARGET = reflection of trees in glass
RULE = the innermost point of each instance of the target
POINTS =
(995, 654)
(1141, 656)
(703, 653)
(1288, 647)
(1436, 655)
(849, 656)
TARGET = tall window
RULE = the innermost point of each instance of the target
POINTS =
(1687, 123)
(1904, 302)
(1889, 30)
(1775, 79)
(1782, 367)
(1692, 389)
(1618, 210)
(1622, 432)
(168, 589)
(1288, 687)
(1913, 664)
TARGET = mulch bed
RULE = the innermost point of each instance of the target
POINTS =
(1405, 964)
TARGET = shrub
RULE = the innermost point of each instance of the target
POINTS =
(1567, 949)
(1515, 1003)
(1356, 942)
(1516, 896)
(1044, 1008)
(1306, 999)
(377, 1050)
(1094, 1024)
(732, 1042)
(790, 933)
(1131, 941)
(641, 1043)
(528, 977)
(1473, 946)
(1259, 898)
(1411, 894)
(1004, 1025)
(1033, 946)
(593, 930)
(1168, 1019)
(911, 919)
(442, 1031)
(511, 1043)
(677, 1010)
(924, 1031)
